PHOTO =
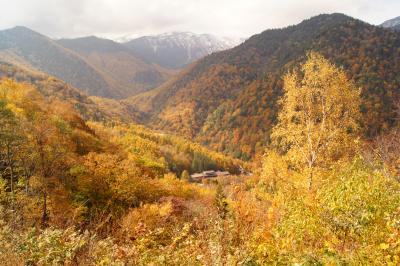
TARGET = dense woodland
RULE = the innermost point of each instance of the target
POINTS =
(93, 108)
(229, 100)
(80, 188)
(60, 172)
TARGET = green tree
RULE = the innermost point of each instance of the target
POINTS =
(202, 162)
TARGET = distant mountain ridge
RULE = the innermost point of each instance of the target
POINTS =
(121, 69)
(229, 100)
(392, 23)
(178, 49)
(39, 52)
(92, 72)
(105, 68)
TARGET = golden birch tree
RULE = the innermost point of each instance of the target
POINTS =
(317, 124)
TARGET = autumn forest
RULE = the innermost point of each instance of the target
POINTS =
(283, 150)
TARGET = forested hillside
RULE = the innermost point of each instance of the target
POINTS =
(229, 100)
(91, 108)
(126, 74)
(108, 70)
(284, 150)
(29, 48)
(80, 192)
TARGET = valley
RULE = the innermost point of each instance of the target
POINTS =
(230, 98)
(194, 149)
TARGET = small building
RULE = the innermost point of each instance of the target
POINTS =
(222, 173)
(198, 177)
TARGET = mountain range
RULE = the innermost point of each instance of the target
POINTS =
(124, 73)
(229, 100)
(102, 67)
(226, 100)
(90, 64)
(178, 49)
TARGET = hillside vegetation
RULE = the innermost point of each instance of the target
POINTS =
(109, 70)
(229, 100)
(126, 74)
(80, 192)
(89, 107)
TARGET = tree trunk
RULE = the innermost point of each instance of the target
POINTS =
(26, 184)
(10, 164)
(44, 214)
(310, 179)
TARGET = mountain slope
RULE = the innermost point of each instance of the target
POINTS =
(177, 49)
(31, 50)
(39, 52)
(90, 108)
(125, 73)
(392, 23)
(170, 151)
(228, 100)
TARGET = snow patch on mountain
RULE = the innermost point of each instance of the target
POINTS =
(177, 49)
(210, 43)
(392, 23)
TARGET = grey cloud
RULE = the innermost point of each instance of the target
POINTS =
(112, 18)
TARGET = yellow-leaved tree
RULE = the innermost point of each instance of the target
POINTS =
(317, 125)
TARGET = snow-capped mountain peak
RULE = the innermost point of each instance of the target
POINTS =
(177, 49)
(392, 23)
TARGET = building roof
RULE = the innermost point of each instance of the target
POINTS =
(222, 173)
(197, 175)
(209, 173)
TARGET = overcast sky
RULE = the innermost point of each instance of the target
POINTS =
(233, 18)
